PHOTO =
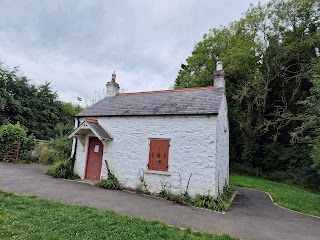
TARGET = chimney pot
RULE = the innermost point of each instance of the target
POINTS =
(114, 76)
(112, 88)
(219, 65)
(219, 81)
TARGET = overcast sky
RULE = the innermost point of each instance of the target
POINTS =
(77, 44)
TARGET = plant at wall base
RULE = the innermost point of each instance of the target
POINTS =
(183, 198)
(221, 203)
(63, 169)
(111, 182)
(139, 190)
(142, 187)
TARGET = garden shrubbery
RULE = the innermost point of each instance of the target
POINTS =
(59, 155)
(56, 151)
(221, 203)
(10, 136)
(63, 169)
(62, 146)
(111, 182)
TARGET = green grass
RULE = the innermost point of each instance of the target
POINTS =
(288, 196)
(24, 217)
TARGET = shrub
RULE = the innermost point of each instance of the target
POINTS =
(183, 199)
(44, 155)
(11, 134)
(139, 190)
(245, 169)
(33, 157)
(49, 156)
(63, 169)
(278, 176)
(63, 145)
(111, 182)
(221, 203)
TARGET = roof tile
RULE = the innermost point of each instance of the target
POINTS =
(193, 101)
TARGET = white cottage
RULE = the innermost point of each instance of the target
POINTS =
(174, 138)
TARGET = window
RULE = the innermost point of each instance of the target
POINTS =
(158, 154)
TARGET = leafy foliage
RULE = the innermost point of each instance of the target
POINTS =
(36, 107)
(111, 182)
(10, 134)
(309, 131)
(63, 169)
(271, 57)
(63, 145)
(221, 203)
(183, 199)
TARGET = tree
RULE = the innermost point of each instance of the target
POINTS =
(267, 55)
(35, 107)
(66, 125)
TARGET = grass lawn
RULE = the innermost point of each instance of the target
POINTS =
(288, 196)
(34, 218)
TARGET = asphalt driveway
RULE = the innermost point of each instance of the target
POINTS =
(252, 216)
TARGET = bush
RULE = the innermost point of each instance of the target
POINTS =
(63, 145)
(245, 169)
(183, 199)
(279, 176)
(221, 203)
(111, 183)
(63, 169)
(277, 162)
(44, 155)
(10, 135)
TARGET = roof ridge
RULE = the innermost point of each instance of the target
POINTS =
(91, 120)
(165, 91)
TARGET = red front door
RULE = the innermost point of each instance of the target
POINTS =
(94, 159)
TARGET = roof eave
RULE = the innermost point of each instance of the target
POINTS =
(146, 115)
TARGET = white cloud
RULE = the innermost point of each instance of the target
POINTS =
(76, 45)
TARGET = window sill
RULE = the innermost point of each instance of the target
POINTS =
(157, 172)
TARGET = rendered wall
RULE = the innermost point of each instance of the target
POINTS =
(222, 146)
(192, 151)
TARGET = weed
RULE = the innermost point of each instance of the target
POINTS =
(221, 203)
(143, 184)
(111, 182)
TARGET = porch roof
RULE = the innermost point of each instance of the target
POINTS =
(90, 124)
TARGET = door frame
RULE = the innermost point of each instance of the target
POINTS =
(87, 154)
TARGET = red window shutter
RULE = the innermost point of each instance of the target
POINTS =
(158, 154)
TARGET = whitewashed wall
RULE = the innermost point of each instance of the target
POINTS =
(192, 151)
(222, 145)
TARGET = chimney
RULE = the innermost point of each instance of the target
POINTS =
(112, 86)
(219, 81)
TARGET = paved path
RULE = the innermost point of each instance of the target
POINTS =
(252, 216)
